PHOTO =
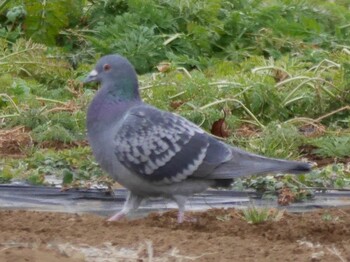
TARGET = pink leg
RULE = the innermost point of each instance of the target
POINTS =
(132, 203)
(117, 216)
(181, 217)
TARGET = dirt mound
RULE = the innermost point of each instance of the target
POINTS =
(217, 235)
(13, 141)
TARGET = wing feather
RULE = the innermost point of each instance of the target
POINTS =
(160, 146)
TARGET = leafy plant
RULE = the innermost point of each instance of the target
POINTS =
(333, 176)
(27, 58)
(139, 43)
(279, 140)
(266, 185)
(36, 178)
(31, 118)
(195, 29)
(327, 217)
(72, 166)
(52, 133)
(256, 215)
(331, 146)
(45, 19)
(6, 174)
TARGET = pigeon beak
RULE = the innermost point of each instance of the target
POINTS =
(92, 77)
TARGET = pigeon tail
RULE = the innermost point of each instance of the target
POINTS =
(245, 164)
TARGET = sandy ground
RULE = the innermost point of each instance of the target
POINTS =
(217, 235)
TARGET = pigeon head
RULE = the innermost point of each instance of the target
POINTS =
(116, 74)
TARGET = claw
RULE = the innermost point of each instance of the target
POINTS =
(181, 217)
(117, 216)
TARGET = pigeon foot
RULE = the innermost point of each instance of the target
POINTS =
(116, 217)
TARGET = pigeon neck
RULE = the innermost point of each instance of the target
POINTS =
(125, 90)
(109, 104)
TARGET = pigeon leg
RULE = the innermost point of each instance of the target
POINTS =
(180, 216)
(132, 203)
(181, 202)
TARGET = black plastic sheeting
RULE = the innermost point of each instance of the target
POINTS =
(105, 203)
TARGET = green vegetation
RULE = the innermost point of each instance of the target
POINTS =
(299, 188)
(256, 215)
(327, 217)
(72, 166)
(276, 73)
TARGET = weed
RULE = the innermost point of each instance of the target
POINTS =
(333, 176)
(6, 174)
(278, 140)
(327, 217)
(330, 146)
(257, 215)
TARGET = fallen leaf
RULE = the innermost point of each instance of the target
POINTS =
(163, 67)
(176, 104)
(286, 197)
(220, 128)
(280, 75)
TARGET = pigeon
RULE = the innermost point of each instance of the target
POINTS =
(155, 153)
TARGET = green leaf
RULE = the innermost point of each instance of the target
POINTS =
(332, 146)
(36, 178)
(46, 18)
(67, 177)
(6, 174)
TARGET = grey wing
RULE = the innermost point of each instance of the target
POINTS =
(163, 147)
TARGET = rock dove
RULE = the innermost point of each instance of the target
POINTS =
(155, 153)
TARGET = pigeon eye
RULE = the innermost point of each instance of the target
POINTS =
(106, 67)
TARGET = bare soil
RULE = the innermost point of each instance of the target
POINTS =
(217, 235)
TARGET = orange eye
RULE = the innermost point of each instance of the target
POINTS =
(106, 67)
